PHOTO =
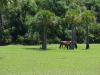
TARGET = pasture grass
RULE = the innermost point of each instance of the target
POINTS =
(31, 60)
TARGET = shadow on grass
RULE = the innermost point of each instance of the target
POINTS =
(85, 49)
(1, 58)
(37, 49)
(82, 49)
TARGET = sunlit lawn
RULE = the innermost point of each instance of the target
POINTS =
(30, 60)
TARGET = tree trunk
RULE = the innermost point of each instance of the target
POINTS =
(44, 46)
(75, 37)
(87, 37)
(72, 43)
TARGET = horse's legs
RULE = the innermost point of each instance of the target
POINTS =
(68, 46)
(65, 46)
(61, 46)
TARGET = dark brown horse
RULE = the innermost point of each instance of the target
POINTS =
(67, 44)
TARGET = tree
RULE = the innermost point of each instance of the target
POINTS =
(45, 17)
(87, 18)
(5, 32)
(19, 18)
(72, 17)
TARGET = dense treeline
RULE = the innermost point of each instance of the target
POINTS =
(24, 25)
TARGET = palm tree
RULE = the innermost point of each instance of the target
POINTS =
(45, 17)
(87, 18)
(73, 17)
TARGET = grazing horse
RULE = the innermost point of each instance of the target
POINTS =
(67, 44)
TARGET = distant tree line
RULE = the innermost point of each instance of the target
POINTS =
(32, 19)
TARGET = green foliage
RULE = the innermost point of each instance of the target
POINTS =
(5, 3)
(45, 17)
(5, 37)
(28, 21)
(94, 5)
(88, 17)
(28, 6)
(20, 39)
(56, 40)
(91, 38)
(72, 16)
(58, 7)
(94, 29)
(73, 6)
(68, 34)
(22, 20)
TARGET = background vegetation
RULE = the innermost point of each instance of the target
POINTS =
(19, 25)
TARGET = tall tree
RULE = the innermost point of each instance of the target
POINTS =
(45, 18)
(72, 17)
(87, 18)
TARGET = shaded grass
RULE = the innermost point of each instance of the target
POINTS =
(31, 60)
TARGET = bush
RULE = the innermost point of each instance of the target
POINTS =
(56, 40)
(30, 42)
(5, 37)
(20, 39)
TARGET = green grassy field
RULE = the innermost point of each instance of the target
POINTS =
(30, 60)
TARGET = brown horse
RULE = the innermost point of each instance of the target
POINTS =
(67, 44)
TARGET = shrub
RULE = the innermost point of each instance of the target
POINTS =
(20, 39)
(56, 40)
